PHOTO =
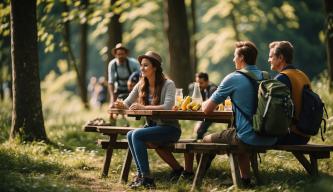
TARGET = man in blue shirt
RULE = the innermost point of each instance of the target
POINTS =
(242, 93)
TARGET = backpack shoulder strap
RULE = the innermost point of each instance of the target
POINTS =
(298, 80)
(248, 74)
(128, 68)
(116, 70)
(265, 75)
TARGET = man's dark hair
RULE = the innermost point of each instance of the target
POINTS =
(248, 50)
(284, 48)
(203, 76)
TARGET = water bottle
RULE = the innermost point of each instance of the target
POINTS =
(196, 96)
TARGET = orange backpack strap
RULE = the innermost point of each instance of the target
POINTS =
(297, 79)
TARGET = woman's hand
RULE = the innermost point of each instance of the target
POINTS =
(117, 104)
(136, 106)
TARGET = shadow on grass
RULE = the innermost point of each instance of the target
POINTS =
(20, 172)
(297, 180)
(219, 178)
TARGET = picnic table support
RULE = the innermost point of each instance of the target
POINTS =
(254, 165)
(311, 167)
(126, 167)
(200, 171)
(108, 155)
(233, 160)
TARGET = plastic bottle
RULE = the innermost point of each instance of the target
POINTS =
(178, 97)
(196, 96)
(227, 104)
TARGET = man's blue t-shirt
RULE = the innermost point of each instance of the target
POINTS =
(242, 93)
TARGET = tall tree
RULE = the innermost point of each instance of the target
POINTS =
(193, 36)
(176, 28)
(84, 52)
(27, 117)
(115, 32)
(329, 40)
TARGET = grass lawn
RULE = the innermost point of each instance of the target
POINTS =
(72, 161)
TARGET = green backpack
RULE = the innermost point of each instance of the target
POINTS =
(275, 109)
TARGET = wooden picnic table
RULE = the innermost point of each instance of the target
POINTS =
(314, 151)
(216, 116)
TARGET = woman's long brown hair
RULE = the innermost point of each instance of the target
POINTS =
(144, 85)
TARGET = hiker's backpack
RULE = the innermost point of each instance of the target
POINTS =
(309, 107)
(274, 110)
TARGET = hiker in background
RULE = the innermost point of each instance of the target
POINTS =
(101, 91)
(119, 70)
(153, 92)
(239, 88)
(207, 88)
(280, 59)
(91, 91)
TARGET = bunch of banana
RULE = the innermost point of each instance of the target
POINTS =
(185, 102)
(193, 106)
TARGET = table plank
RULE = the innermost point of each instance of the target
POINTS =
(216, 116)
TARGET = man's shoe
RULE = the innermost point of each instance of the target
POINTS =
(175, 174)
(246, 183)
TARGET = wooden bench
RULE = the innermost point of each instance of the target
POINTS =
(112, 143)
(314, 152)
(112, 132)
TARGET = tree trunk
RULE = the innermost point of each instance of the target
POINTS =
(84, 55)
(67, 35)
(27, 117)
(176, 28)
(71, 59)
(194, 39)
(115, 32)
(329, 40)
(2, 93)
(234, 22)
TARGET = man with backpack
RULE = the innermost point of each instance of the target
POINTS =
(280, 59)
(119, 70)
(242, 93)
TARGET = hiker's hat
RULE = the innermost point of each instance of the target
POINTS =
(118, 46)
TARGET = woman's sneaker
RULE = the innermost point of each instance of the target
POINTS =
(135, 182)
(145, 182)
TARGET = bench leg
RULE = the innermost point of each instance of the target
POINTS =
(234, 169)
(311, 167)
(200, 171)
(108, 155)
(255, 169)
(126, 167)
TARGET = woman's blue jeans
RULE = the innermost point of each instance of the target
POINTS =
(137, 139)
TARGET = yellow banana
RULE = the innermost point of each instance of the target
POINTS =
(186, 101)
(190, 105)
(196, 107)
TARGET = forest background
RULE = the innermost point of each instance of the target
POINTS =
(75, 39)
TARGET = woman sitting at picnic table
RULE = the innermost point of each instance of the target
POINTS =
(152, 92)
